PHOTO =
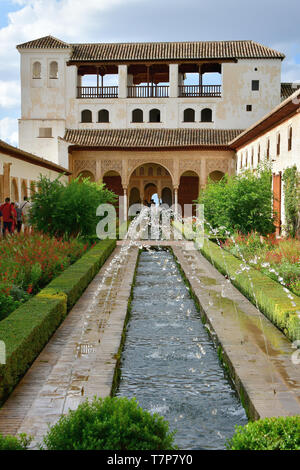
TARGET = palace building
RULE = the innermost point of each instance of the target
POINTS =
(145, 118)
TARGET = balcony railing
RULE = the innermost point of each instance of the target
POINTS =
(151, 91)
(97, 92)
(196, 91)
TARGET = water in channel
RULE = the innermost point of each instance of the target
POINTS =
(170, 364)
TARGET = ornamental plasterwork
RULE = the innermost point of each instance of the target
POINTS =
(217, 165)
(80, 165)
(111, 165)
(134, 163)
(190, 165)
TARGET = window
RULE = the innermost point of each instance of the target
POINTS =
(137, 115)
(258, 154)
(278, 145)
(206, 115)
(36, 70)
(246, 164)
(241, 161)
(249, 107)
(150, 171)
(290, 138)
(255, 85)
(103, 115)
(86, 115)
(142, 171)
(45, 132)
(252, 157)
(154, 115)
(53, 70)
(189, 115)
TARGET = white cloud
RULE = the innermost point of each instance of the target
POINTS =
(9, 130)
(10, 94)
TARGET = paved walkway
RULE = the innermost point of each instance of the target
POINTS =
(79, 360)
(260, 356)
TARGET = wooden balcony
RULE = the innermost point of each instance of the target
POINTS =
(200, 91)
(151, 91)
(97, 92)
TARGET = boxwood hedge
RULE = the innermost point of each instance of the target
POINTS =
(271, 299)
(28, 329)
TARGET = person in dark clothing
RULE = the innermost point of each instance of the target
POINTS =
(7, 216)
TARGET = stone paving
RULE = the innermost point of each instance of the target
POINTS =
(260, 356)
(80, 359)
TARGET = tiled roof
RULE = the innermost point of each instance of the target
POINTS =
(47, 42)
(173, 51)
(150, 138)
(15, 152)
(158, 50)
(287, 89)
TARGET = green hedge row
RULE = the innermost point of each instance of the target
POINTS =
(28, 329)
(271, 299)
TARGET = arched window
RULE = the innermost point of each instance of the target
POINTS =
(142, 171)
(150, 171)
(206, 115)
(86, 115)
(189, 115)
(53, 70)
(36, 70)
(154, 115)
(137, 115)
(103, 115)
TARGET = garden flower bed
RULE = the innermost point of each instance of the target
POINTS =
(29, 262)
(277, 258)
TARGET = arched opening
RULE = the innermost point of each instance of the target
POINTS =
(103, 115)
(216, 175)
(137, 115)
(154, 115)
(23, 190)
(14, 197)
(53, 70)
(113, 182)
(134, 197)
(36, 70)
(166, 196)
(188, 190)
(189, 115)
(206, 115)
(150, 171)
(149, 191)
(86, 174)
(86, 115)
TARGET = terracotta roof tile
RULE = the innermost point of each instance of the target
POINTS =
(287, 89)
(150, 138)
(47, 42)
(158, 50)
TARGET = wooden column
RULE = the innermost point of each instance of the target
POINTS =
(6, 180)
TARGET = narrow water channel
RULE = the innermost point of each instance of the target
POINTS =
(169, 363)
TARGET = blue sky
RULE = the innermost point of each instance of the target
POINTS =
(271, 22)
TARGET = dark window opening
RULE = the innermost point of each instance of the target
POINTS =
(103, 115)
(249, 107)
(154, 115)
(137, 115)
(255, 85)
(206, 115)
(189, 115)
(86, 115)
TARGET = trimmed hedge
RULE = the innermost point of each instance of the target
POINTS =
(27, 330)
(271, 299)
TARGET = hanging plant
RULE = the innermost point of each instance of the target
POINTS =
(291, 188)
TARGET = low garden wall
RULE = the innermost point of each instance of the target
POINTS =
(261, 290)
(28, 329)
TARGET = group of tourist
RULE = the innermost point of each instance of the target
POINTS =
(14, 215)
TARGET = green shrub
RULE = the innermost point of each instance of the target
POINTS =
(28, 328)
(240, 203)
(281, 433)
(110, 424)
(14, 443)
(65, 210)
(269, 295)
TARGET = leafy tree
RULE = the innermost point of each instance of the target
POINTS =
(68, 209)
(241, 203)
(291, 188)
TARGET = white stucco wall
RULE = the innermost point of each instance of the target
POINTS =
(53, 103)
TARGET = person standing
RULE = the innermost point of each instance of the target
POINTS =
(25, 208)
(7, 216)
(19, 217)
(14, 217)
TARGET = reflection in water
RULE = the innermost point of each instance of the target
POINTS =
(169, 363)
